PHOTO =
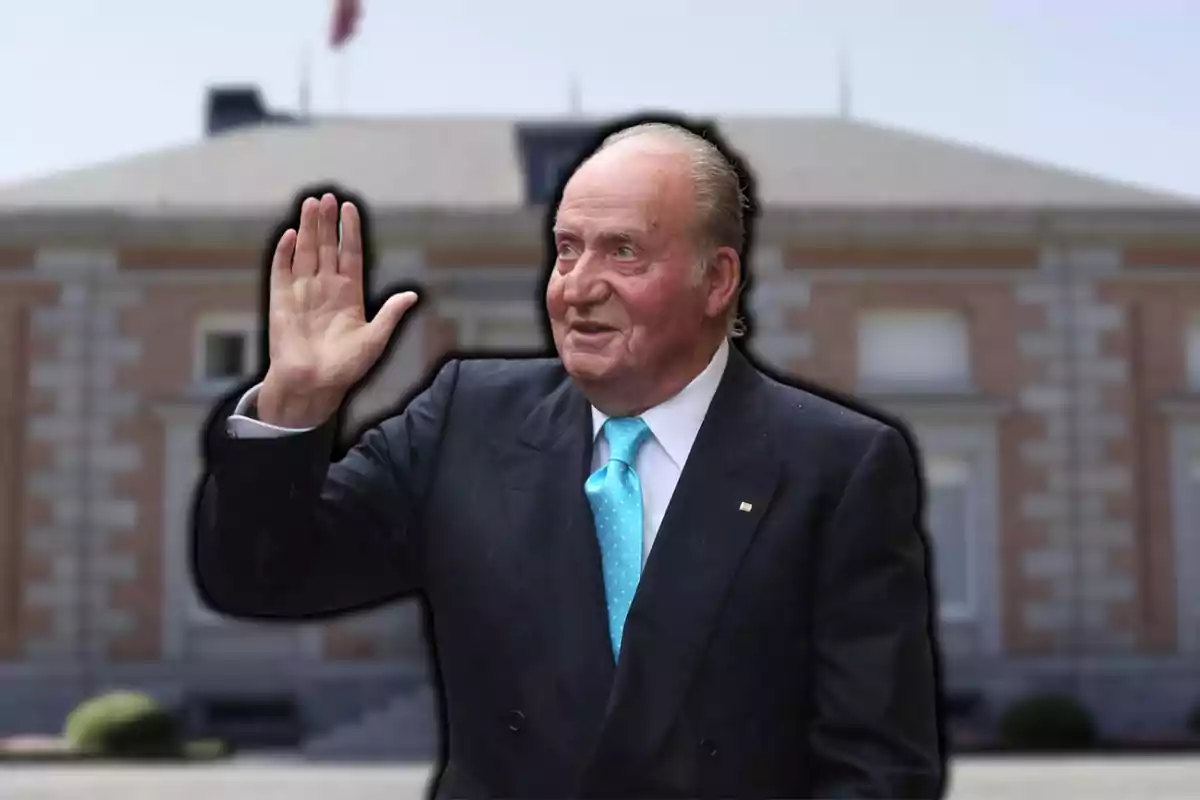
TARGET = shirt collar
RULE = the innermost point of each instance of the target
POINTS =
(676, 422)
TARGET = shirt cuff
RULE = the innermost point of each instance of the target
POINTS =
(241, 425)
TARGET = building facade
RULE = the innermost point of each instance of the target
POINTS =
(1043, 345)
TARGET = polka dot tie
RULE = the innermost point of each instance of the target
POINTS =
(615, 494)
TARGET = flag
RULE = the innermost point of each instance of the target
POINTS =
(345, 19)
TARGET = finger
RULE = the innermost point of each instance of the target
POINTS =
(304, 262)
(281, 262)
(327, 235)
(350, 257)
(389, 316)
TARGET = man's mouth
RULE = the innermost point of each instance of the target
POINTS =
(591, 327)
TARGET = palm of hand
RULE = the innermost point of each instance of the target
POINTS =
(317, 330)
(319, 336)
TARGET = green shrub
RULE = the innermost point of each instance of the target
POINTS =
(124, 724)
(1048, 722)
(206, 750)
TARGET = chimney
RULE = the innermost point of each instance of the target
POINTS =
(231, 107)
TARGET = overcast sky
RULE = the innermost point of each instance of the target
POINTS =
(1106, 86)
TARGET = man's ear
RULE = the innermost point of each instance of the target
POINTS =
(723, 279)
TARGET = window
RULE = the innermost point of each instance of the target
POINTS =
(224, 355)
(1187, 536)
(195, 612)
(913, 351)
(226, 349)
(547, 151)
(949, 522)
(1193, 354)
(182, 469)
(550, 173)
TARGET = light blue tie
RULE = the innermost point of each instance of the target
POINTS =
(615, 494)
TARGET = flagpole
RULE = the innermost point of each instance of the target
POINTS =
(575, 96)
(306, 83)
(845, 83)
(345, 19)
(341, 79)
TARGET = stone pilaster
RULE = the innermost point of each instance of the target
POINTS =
(1104, 484)
(58, 437)
(123, 570)
(1072, 507)
(77, 513)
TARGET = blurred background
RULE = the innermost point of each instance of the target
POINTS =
(983, 217)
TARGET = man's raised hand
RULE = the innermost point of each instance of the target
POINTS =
(321, 343)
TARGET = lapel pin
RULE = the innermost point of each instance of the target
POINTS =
(745, 506)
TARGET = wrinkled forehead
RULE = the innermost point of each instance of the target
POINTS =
(639, 189)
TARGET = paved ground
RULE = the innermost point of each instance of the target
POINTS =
(1110, 778)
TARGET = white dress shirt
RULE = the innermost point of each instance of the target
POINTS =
(673, 425)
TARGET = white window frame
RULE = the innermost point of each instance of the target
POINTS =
(976, 442)
(1191, 349)
(1185, 478)
(244, 324)
(937, 468)
(182, 604)
(919, 385)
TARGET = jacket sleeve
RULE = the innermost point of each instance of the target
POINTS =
(877, 731)
(280, 532)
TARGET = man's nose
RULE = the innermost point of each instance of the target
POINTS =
(584, 284)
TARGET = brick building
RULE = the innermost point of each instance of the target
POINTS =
(1039, 330)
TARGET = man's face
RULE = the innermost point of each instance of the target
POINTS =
(626, 299)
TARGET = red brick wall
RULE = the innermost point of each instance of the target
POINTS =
(164, 322)
(1157, 318)
(14, 371)
(909, 256)
(19, 456)
(1151, 342)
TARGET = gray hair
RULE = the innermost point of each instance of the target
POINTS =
(721, 201)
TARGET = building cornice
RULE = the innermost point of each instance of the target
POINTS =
(967, 408)
(524, 227)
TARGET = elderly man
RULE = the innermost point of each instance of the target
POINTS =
(652, 570)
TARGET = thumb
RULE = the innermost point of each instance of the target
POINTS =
(389, 316)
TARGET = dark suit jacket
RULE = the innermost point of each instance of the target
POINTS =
(777, 649)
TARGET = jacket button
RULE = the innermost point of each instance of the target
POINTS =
(708, 747)
(515, 720)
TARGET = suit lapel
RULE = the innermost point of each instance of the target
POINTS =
(545, 470)
(724, 490)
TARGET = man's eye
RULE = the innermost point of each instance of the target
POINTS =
(625, 251)
(565, 250)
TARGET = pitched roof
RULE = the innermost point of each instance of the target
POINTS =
(473, 163)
